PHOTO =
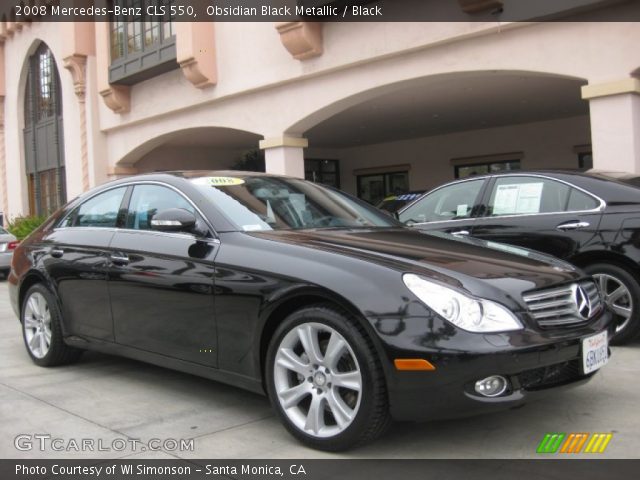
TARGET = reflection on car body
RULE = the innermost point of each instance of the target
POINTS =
(342, 316)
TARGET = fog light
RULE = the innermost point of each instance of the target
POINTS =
(492, 386)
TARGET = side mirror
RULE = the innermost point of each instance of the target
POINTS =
(173, 220)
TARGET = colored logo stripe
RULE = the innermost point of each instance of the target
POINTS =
(550, 443)
(574, 443)
(598, 443)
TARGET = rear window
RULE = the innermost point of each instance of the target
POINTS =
(3, 231)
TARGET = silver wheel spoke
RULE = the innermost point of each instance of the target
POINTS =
(349, 380)
(47, 336)
(288, 359)
(34, 343)
(622, 311)
(43, 343)
(616, 294)
(340, 410)
(30, 323)
(315, 416)
(292, 396)
(33, 306)
(309, 339)
(334, 350)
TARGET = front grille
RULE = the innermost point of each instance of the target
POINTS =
(564, 306)
(551, 376)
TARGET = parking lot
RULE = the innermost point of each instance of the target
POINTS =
(107, 398)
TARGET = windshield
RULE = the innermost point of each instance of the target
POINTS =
(277, 203)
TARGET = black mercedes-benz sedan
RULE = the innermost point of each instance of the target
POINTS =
(590, 219)
(342, 316)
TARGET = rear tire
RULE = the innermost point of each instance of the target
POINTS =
(325, 381)
(41, 329)
(621, 293)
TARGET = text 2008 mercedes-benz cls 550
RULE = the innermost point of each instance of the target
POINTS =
(343, 317)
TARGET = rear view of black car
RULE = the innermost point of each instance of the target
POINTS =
(589, 219)
(342, 316)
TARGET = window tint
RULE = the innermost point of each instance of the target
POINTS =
(99, 211)
(526, 195)
(147, 200)
(581, 201)
(448, 203)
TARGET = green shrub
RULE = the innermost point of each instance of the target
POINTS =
(21, 227)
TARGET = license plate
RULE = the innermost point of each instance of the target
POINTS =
(594, 352)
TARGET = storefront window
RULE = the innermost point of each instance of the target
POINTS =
(462, 171)
(326, 172)
(374, 188)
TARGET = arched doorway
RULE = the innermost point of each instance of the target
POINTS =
(43, 136)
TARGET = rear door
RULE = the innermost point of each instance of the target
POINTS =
(540, 213)
(451, 208)
(161, 284)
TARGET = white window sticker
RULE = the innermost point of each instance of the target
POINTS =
(518, 198)
(462, 210)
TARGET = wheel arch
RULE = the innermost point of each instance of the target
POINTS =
(589, 258)
(303, 298)
(30, 279)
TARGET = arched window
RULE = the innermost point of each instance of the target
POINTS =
(43, 137)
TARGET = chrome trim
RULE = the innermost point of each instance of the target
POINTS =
(141, 182)
(600, 208)
(559, 306)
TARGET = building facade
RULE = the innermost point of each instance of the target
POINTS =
(372, 108)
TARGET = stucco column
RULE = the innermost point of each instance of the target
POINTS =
(615, 124)
(284, 155)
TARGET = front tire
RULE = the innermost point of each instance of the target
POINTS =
(325, 381)
(41, 329)
(621, 294)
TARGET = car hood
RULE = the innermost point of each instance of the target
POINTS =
(440, 255)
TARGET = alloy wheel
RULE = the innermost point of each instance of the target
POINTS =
(617, 297)
(317, 380)
(36, 322)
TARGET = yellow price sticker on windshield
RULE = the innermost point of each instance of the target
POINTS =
(224, 181)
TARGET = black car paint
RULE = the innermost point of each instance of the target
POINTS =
(612, 234)
(246, 282)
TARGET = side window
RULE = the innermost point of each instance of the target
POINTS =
(527, 195)
(581, 201)
(100, 211)
(448, 203)
(147, 200)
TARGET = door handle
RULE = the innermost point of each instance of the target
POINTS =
(56, 252)
(460, 232)
(119, 259)
(572, 226)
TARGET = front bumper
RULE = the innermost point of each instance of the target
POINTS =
(534, 370)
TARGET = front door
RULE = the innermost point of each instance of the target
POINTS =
(161, 284)
(448, 209)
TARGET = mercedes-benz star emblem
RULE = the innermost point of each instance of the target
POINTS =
(582, 301)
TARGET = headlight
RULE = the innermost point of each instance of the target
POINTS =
(468, 313)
